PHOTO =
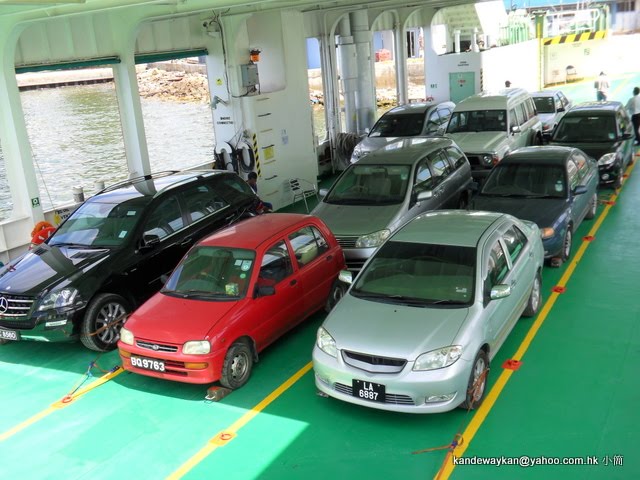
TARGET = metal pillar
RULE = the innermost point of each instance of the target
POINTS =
(348, 74)
(401, 62)
(365, 94)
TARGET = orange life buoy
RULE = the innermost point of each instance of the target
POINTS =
(40, 226)
(42, 235)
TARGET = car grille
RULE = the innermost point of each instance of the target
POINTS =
(156, 347)
(355, 265)
(476, 162)
(16, 311)
(372, 363)
(347, 241)
(388, 398)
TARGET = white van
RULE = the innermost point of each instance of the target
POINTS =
(489, 125)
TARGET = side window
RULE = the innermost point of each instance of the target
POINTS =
(558, 102)
(201, 201)
(522, 114)
(444, 114)
(424, 180)
(456, 157)
(440, 167)
(515, 241)
(563, 99)
(433, 122)
(165, 219)
(513, 119)
(276, 265)
(583, 165)
(308, 244)
(572, 173)
(497, 266)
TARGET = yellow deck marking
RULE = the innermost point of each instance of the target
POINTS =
(59, 404)
(230, 433)
(492, 396)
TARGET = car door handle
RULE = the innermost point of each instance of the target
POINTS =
(513, 283)
(329, 258)
(186, 242)
(293, 282)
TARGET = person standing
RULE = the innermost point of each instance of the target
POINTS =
(633, 107)
(252, 180)
(602, 87)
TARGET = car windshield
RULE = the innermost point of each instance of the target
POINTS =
(478, 121)
(398, 125)
(212, 273)
(370, 185)
(419, 274)
(544, 104)
(529, 180)
(586, 129)
(98, 225)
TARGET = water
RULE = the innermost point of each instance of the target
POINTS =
(76, 139)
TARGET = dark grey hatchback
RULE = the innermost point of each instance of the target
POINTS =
(109, 256)
(602, 130)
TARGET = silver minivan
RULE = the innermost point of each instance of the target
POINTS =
(381, 192)
(411, 120)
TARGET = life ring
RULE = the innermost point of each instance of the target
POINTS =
(41, 233)
(40, 226)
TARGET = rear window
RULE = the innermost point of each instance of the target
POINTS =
(405, 125)
(478, 121)
(586, 129)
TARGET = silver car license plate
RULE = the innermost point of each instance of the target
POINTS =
(368, 390)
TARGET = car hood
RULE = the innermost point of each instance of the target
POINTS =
(46, 266)
(547, 118)
(370, 144)
(595, 150)
(392, 330)
(479, 142)
(356, 219)
(542, 211)
(165, 318)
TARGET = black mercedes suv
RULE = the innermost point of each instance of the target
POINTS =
(603, 130)
(110, 254)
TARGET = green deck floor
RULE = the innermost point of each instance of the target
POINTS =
(575, 395)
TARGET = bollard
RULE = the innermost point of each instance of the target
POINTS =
(78, 194)
(98, 186)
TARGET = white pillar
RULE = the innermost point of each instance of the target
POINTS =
(348, 73)
(16, 149)
(401, 63)
(365, 94)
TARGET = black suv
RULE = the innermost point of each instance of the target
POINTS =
(110, 254)
(602, 130)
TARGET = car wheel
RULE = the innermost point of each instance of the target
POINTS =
(593, 207)
(566, 244)
(618, 183)
(338, 289)
(535, 298)
(237, 366)
(477, 381)
(100, 329)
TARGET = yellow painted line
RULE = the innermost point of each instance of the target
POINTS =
(58, 405)
(490, 400)
(231, 432)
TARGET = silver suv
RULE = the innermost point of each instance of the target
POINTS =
(411, 120)
(387, 188)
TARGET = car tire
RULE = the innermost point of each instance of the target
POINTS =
(238, 363)
(103, 310)
(475, 396)
(618, 183)
(338, 289)
(593, 207)
(567, 244)
(535, 298)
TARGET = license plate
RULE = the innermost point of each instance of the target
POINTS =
(9, 335)
(368, 390)
(148, 364)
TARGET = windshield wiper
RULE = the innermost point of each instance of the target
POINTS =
(350, 201)
(74, 245)
(447, 302)
(197, 293)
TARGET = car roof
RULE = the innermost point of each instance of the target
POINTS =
(448, 227)
(405, 151)
(421, 107)
(588, 108)
(545, 93)
(252, 232)
(548, 155)
(491, 100)
(145, 188)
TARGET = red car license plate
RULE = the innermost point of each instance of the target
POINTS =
(148, 364)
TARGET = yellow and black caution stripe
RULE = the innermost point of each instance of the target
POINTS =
(254, 139)
(576, 37)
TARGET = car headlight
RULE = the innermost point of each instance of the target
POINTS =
(196, 347)
(356, 154)
(58, 299)
(607, 159)
(443, 357)
(374, 239)
(126, 336)
(547, 232)
(326, 343)
(490, 159)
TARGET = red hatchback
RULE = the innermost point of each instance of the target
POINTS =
(234, 293)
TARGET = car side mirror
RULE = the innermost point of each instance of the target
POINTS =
(150, 240)
(561, 109)
(515, 129)
(579, 190)
(346, 276)
(500, 291)
(367, 131)
(424, 195)
(163, 278)
(323, 192)
(265, 291)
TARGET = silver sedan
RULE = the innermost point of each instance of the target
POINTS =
(418, 328)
